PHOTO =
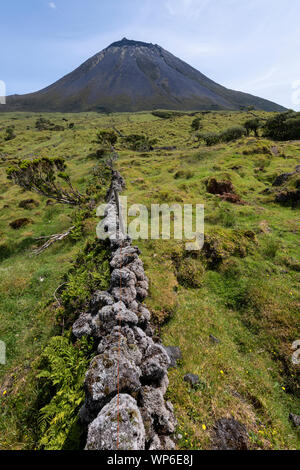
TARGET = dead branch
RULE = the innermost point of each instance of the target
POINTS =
(52, 239)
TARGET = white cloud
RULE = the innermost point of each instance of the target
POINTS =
(190, 9)
(52, 5)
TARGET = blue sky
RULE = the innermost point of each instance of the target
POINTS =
(248, 45)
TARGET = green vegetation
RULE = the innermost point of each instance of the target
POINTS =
(228, 135)
(242, 288)
(40, 176)
(283, 126)
(139, 143)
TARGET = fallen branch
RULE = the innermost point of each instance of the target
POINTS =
(52, 239)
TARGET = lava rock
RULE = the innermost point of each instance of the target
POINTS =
(174, 354)
(230, 435)
(295, 419)
(82, 326)
(214, 339)
(103, 431)
(192, 379)
(99, 300)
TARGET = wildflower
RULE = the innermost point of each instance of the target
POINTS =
(203, 427)
(222, 372)
(283, 388)
(4, 393)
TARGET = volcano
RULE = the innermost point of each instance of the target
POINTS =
(135, 76)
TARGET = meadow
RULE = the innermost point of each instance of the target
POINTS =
(232, 308)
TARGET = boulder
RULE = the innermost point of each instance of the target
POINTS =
(174, 354)
(122, 414)
(295, 419)
(106, 370)
(230, 434)
(192, 379)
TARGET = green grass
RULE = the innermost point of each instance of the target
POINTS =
(249, 299)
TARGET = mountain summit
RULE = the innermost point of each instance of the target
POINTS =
(134, 76)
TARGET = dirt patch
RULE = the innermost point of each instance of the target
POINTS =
(28, 204)
(19, 223)
(233, 198)
(219, 187)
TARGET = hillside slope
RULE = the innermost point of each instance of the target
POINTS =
(135, 76)
(233, 310)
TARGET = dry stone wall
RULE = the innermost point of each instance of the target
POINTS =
(127, 380)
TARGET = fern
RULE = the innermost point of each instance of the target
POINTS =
(63, 366)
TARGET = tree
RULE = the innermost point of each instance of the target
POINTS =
(42, 176)
(252, 125)
(283, 126)
(106, 140)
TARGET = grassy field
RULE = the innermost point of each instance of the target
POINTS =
(243, 288)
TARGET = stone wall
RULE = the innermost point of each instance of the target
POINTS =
(126, 382)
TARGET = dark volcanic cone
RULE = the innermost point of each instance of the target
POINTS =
(135, 76)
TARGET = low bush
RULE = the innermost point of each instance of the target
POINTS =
(232, 133)
(139, 142)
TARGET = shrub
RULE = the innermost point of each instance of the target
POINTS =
(210, 138)
(232, 133)
(196, 124)
(139, 142)
(283, 126)
(9, 135)
(41, 175)
(106, 138)
(166, 114)
(43, 124)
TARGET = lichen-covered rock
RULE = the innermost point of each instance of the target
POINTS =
(103, 431)
(122, 277)
(106, 370)
(174, 354)
(124, 256)
(162, 443)
(155, 364)
(82, 326)
(158, 415)
(295, 419)
(99, 300)
(112, 315)
(230, 434)
(125, 294)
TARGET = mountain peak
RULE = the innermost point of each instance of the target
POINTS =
(130, 42)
